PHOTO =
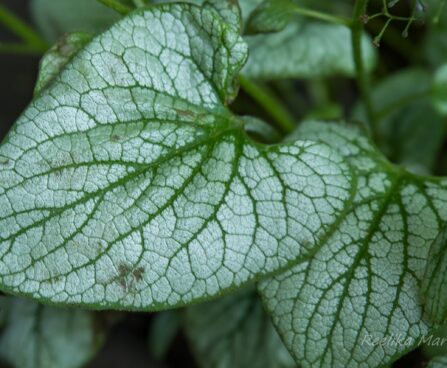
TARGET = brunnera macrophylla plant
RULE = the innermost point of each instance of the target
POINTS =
(130, 183)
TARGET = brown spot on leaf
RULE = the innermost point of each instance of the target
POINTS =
(127, 277)
(115, 138)
(184, 112)
(123, 269)
(122, 282)
(63, 47)
(138, 273)
(56, 165)
(306, 244)
(54, 279)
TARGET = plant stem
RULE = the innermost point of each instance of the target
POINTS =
(394, 39)
(116, 5)
(22, 30)
(438, 14)
(361, 74)
(271, 104)
(322, 16)
(19, 48)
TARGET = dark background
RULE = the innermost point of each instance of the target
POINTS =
(17, 74)
(127, 337)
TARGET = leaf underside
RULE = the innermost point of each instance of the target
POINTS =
(363, 283)
(403, 101)
(435, 282)
(42, 336)
(438, 362)
(234, 331)
(128, 184)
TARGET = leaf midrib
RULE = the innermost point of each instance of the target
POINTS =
(347, 276)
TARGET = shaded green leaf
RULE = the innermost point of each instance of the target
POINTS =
(40, 336)
(55, 18)
(400, 89)
(414, 137)
(235, 332)
(270, 16)
(163, 330)
(438, 362)
(435, 43)
(440, 90)
(411, 131)
(435, 344)
(4, 310)
(128, 184)
(304, 50)
(435, 282)
(247, 7)
(362, 284)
